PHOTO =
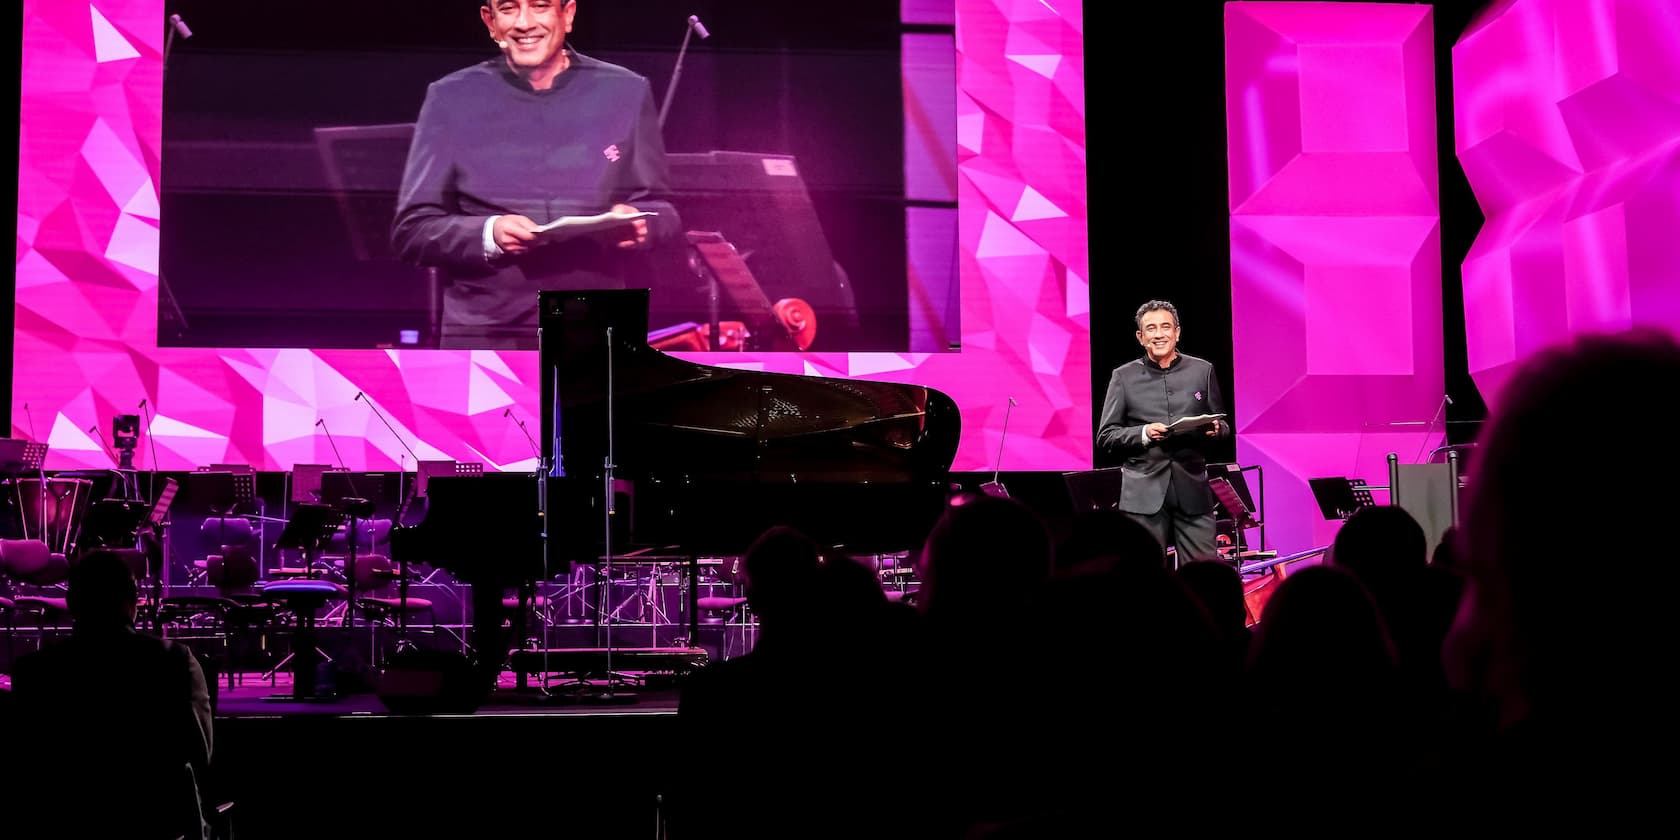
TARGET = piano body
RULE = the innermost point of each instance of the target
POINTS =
(704, 458)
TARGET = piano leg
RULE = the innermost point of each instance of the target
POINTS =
(527, 596)
(489, 639)
(693, 600)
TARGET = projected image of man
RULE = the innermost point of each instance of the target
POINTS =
(502, 147)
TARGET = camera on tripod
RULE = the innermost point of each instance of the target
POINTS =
(125, 438)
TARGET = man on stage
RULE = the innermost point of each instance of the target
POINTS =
(507, 145)
(1164, 476)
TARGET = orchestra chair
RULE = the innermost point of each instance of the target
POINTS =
(8, 607)
(379, 592)
(32, 563)
(226, 533)
(237, 606)
(528, 610)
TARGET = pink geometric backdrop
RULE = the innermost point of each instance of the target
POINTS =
(88, 220)
(1569, 130)
(1335, 247)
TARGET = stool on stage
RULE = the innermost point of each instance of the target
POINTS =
(733, 613)
(302, 597)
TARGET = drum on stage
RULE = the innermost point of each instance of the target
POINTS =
(52, 510)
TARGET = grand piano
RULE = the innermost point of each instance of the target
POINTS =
(702, 459)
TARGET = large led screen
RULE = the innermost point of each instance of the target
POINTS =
(209, 242)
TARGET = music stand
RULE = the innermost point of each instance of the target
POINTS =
(1094, 489)
(425, 471)
(223, 491)
(1338, 497)
(308, 528)
(306, 482)
(1241, 516)
(727, 276)
(18, 456)
(379, 489)
(364, 167)
(760, 203)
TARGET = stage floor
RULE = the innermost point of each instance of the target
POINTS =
(253, 696)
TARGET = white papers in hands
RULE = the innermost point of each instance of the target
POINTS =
(567, 227)
(1185, 424)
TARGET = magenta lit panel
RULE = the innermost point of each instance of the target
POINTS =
(1569, 131)
(1335, 247)
(87, 241)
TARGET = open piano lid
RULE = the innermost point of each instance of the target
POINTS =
(721, 453)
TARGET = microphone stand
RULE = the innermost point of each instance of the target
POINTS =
(607, 694)
(402, 606)
(173, 26)
(676, 73)
(535, 452)
(322, 422)
(388, 427)
(1424, 444)
(159, 585)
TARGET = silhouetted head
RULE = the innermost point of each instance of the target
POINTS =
(781, 573)
(1380, 545)
(848, 589)
(1564, 607)
(1448, 554)
(102, 593)
(985, 556)
(1103, 537)
(1220, 589)
(1321, 634)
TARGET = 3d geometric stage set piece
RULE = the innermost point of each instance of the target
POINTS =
(1577, 169)
(1335, 246)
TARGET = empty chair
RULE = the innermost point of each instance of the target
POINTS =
(33, 563)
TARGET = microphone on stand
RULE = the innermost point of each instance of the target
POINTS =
(695, 27)
(388, 427)
(322, 422)
(105, 447)
(995, 487)
(535, 451)
(1446, 400)
(151, 442)
(177, 29)
(31, 418)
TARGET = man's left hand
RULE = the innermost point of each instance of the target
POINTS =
(1213, 430)
(637, 235)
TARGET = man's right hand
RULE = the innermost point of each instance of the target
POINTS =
(1156, 431)
(514, 234)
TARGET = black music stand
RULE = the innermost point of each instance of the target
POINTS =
(222, 493)
(1094, 489)
(18, 456)
(364, 167)
(307, 530)
(379, 489)
(306, 482)
(761, 205)
(1338, 497)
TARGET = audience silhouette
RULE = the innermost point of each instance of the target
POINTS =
(1564, 638)
(116, 723)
